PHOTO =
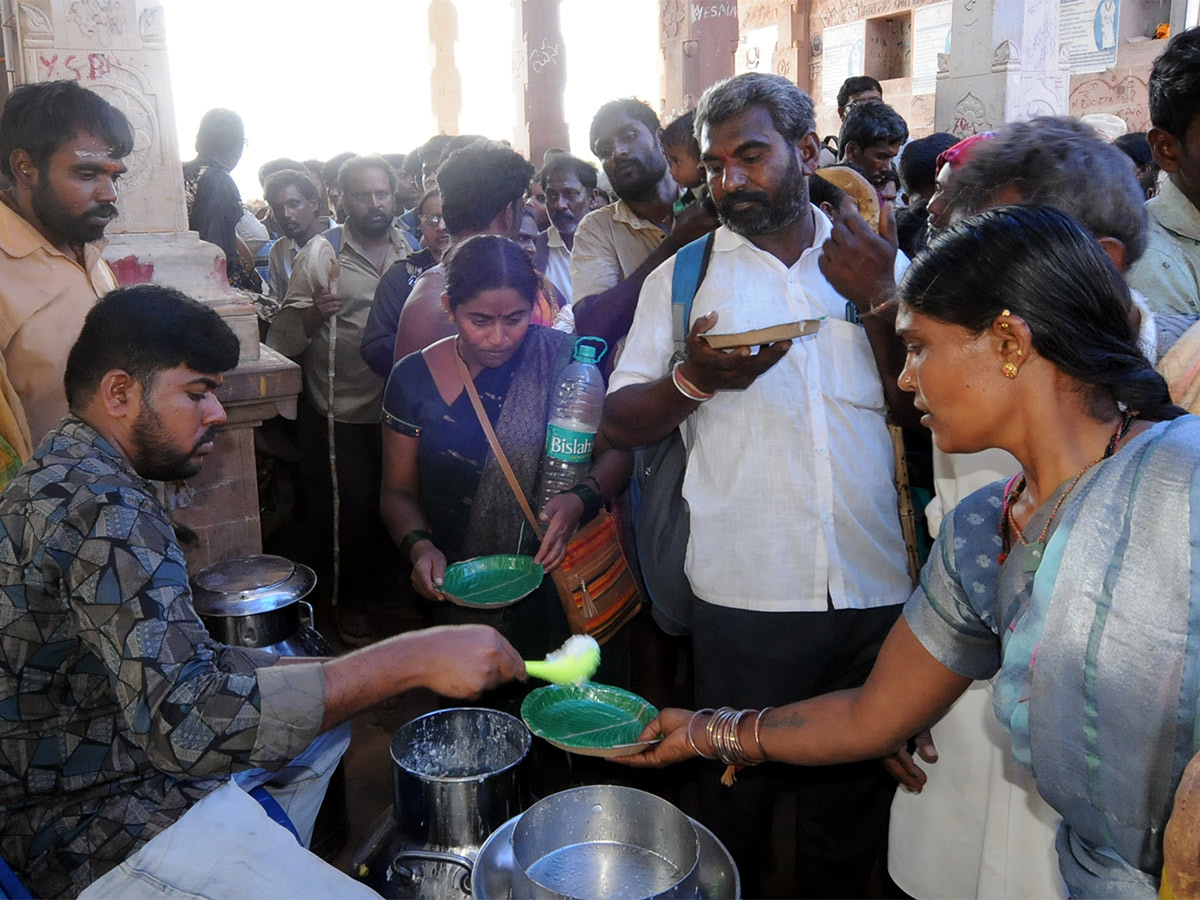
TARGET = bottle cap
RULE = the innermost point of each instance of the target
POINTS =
(586, 350)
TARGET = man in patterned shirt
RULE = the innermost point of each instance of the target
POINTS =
(118, 713)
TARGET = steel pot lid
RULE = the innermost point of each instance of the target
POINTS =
(249, 585)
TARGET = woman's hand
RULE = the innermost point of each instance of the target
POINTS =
(561, 514)
(671, 725)
(429, 569)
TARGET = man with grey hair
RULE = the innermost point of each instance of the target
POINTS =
(789, 475)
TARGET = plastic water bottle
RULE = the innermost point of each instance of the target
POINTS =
(574, 420)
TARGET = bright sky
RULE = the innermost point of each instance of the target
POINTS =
(314, 79)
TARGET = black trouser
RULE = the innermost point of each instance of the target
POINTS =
(365, 550)
(756, 659)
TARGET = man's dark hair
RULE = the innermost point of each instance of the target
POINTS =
(626, 106)
(918, 165)
(456, 143)
(40, 118)
(395, 160)
(315, 166)
(370, 161)
(822, 191)
(430, 152)
(478, 182)
(271, 166)
(871, 123)
(791, 109)
(297, 178)
(563, 162)
(1135, 145)
(856, 84)
(221, 132)
(412, 164)
(329, 171)
(144, 330)
(681, 133)
(1059, 161)
(1175, 84)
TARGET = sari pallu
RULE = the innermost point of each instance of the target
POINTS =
(1099, 668)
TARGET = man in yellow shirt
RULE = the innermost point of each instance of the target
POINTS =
(61, 149)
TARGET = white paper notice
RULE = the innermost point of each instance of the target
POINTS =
(931, 36)
(842, 56)
(1089, 29)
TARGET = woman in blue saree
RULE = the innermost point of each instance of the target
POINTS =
(1078, 582)
(444, 496)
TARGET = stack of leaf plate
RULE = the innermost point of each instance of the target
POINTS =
(491, 581)
(589, 719)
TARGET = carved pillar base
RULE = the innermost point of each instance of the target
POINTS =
(220, 505)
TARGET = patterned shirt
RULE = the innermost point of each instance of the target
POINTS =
(117, 711)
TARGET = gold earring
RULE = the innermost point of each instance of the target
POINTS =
(1020, 352)
(1009, 370)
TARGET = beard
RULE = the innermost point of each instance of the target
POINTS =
(74, 229)
(374, 224)
(155, 457)
(770, 213)
(641, 180)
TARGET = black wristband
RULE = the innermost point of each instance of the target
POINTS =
(411, 539)
(591, 501)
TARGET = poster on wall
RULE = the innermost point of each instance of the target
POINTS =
(931, 36)
(755, 50)
(1088, 28)
(844, 46)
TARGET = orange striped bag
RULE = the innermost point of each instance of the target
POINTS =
(598, 590)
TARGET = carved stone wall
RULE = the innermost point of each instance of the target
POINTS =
(1122, 90)
(118, 49)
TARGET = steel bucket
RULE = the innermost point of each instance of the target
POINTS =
(604, 841)
(458, 775)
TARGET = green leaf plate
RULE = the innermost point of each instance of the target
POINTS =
(491, 581)
(589, 719)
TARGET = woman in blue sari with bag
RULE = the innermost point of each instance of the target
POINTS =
(445, 497)
(1077, 582)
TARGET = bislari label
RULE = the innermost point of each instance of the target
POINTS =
(569, 446)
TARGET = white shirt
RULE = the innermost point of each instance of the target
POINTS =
(558, 264)
(789, 481)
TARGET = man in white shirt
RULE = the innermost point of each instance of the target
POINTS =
(796, 551)
(569, 184)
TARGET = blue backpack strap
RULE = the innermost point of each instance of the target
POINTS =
(334, 236)
(10, 886)
(691, 262)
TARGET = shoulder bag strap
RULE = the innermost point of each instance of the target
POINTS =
(494, 443)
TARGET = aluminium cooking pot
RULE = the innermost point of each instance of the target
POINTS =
(255, 601)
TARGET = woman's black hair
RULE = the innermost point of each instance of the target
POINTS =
(488, 262)
(1045, 268)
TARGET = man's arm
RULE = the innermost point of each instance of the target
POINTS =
(639, 414)
(609, 313)
(383, 321)
(423, 319)
(308, 300)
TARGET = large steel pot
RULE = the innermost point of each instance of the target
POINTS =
(255, 601)
(601, 841)
(458, 776)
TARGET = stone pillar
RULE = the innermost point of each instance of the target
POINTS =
(117, 48)
(539, 78)
(445, 84)
(1005, 66)
(698, 43)
(794, 58)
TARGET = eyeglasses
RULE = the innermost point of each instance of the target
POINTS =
(430, 221)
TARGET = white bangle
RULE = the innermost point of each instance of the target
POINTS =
(686, 388)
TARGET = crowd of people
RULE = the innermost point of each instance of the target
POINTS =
(999, 358)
